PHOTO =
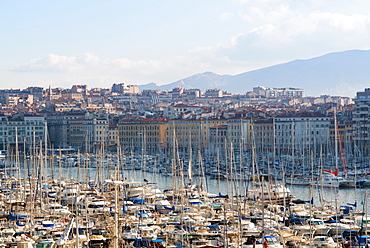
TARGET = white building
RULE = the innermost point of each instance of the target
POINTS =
(278, 92)
(26, 131)
(302, 131)
(361, 118)
(176, 111)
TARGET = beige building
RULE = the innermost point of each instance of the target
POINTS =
(218, 139)
(240, 131)
(113, 136)
(263, 135)
(214, 93)
(73, 95)
(143, 135)
(183, 133)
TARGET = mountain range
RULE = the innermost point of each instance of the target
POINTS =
(337, 74)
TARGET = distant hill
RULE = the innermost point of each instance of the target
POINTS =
(339, 73)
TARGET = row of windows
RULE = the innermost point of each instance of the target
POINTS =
(21, 140)
(101, 127)
(310, 120)
(364, 97)
(138, 140)
(294, 133)
(24, 128)
(263, 127)
(25, 123)
(219, 140)
(311, 126)
(219, 133)
(140, 128)
(265, 140)
(289, 141)
(146, 134)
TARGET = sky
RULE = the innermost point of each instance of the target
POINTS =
(98, 43)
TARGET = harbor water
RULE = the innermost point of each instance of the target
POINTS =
(320, 196)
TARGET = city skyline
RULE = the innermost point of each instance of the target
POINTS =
(66, 43)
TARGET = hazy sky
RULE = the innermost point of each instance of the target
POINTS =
(60, 43)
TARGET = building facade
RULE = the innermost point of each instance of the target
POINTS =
(361, 120)
(25, 133)
(302, 132)
(278, 92)
(263, 135)
(143, 135)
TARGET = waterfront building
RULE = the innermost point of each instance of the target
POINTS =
(113, 136)
(240, 131)
(25, 131)
(344, 136)
(58, 127)
(193, 132)
(185, 133)
(218, 139)
(206, 125)
(302, 131)
(361, 119)
(88, 134)
(143, 135)
(263, 135)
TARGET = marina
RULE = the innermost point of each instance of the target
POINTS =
(185, 124)
(113, 201)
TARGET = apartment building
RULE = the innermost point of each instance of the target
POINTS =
(24, 131)
(278, 92)
(178, 110)
(218, 139)
(89, 134)
(263, 138)
(302, 131)
(214, 93)
(193, 132)
(58, 127)
(143, 135)
(361, 119)
(240, 131)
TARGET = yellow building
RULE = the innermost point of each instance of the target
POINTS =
(240, 132)
(72, 95)
(183, 133)
(145, 135)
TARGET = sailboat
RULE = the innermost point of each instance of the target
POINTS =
(328, 179)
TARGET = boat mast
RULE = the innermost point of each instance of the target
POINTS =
(190, 168)
(336, 139)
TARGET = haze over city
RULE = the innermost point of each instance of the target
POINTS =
(98, 43)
